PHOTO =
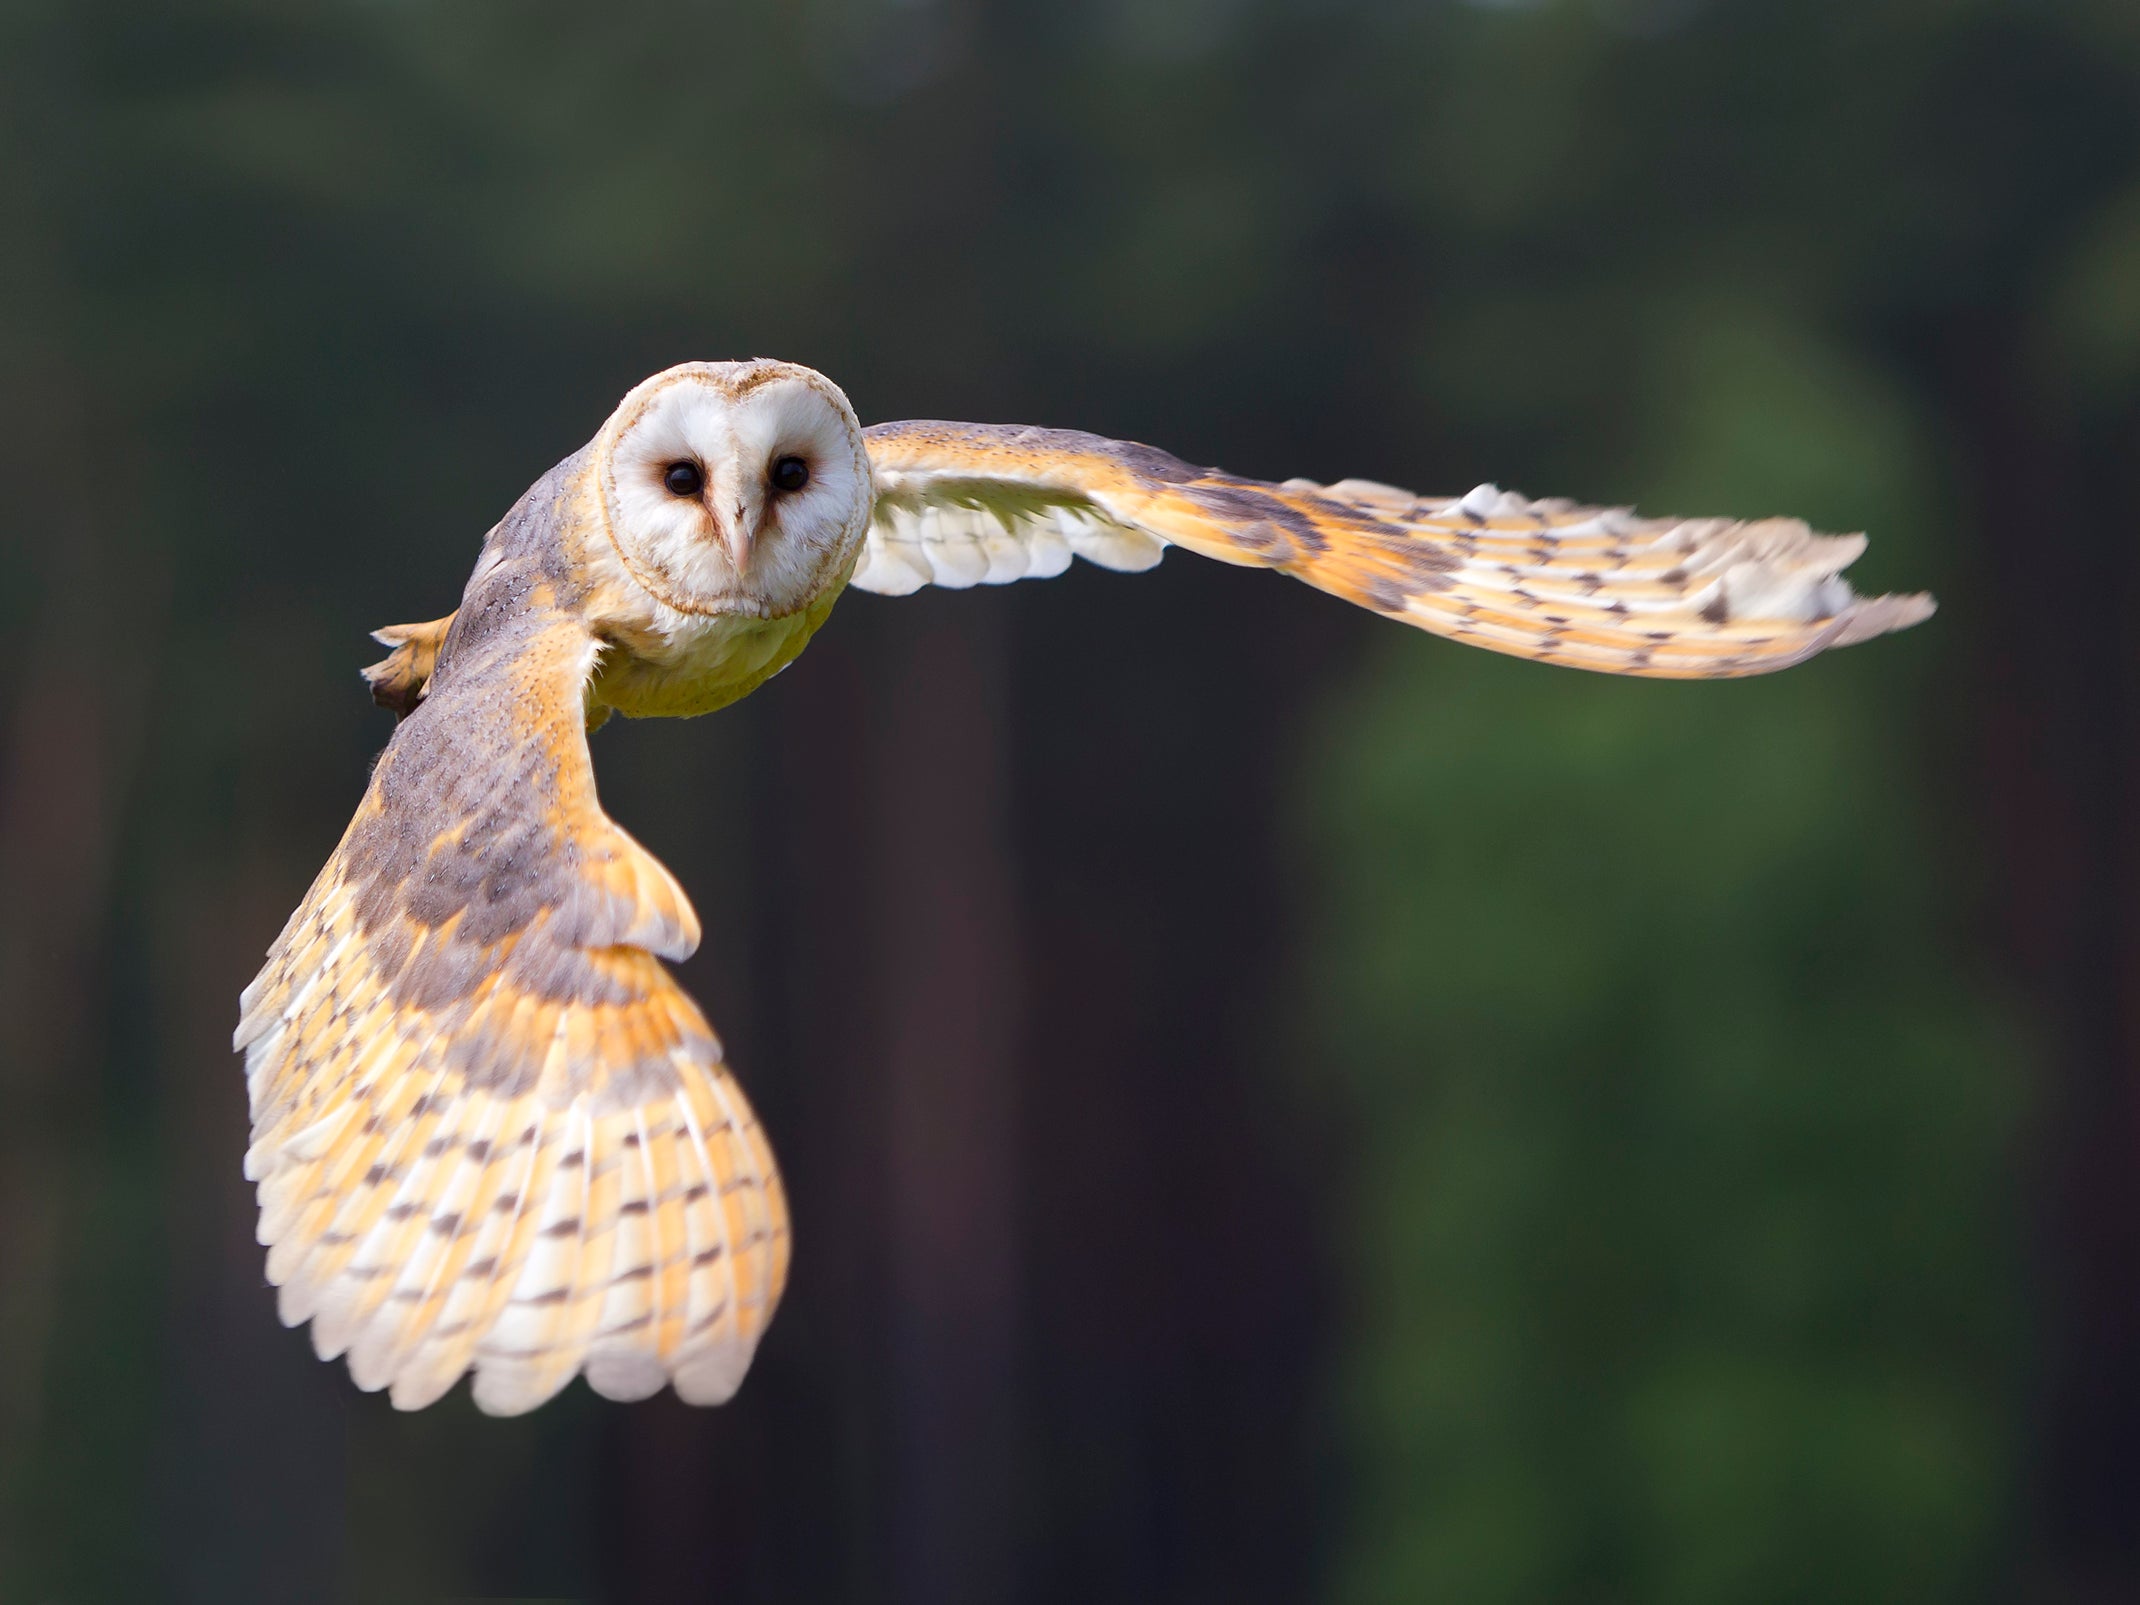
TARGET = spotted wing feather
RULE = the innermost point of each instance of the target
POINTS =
(489, 1130)
(1593, 588)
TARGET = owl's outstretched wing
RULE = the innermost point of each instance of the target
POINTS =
(1593, 588)
(489, 1130)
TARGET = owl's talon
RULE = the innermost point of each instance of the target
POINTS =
(399, 680)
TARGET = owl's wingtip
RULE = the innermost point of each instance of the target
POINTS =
(1884, 615)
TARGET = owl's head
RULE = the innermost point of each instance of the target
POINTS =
(735, 487)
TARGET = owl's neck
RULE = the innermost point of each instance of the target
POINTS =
(703, 665)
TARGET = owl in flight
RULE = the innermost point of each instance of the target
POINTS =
(489, 1130)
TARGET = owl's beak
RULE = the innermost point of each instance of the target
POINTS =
(735, 512)
(736, 536)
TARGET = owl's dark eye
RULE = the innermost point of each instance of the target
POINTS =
(683, 479)
(790, 473)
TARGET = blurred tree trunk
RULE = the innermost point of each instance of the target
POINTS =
(69, 722)
(2061, 753)
(891, 1087)
(946, 984)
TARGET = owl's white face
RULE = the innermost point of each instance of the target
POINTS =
(738, 488)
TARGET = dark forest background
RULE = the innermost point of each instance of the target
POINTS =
(1275, 1106)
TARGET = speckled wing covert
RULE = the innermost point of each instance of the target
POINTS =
(489, 1130)
(1592, 588)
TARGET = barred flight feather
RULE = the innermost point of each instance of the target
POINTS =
(489, 1130)
(1589, 587)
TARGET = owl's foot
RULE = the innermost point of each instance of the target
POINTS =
(400, 679)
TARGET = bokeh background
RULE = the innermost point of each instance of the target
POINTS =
(1276, 1107)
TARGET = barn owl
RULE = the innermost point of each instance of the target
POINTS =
(489, 1131)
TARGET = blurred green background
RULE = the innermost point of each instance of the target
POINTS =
(1276, 1106)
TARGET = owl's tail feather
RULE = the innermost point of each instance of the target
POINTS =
(399, 680)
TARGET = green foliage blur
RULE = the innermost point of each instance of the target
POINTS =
(1682, 1222)
(1634, 1056)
